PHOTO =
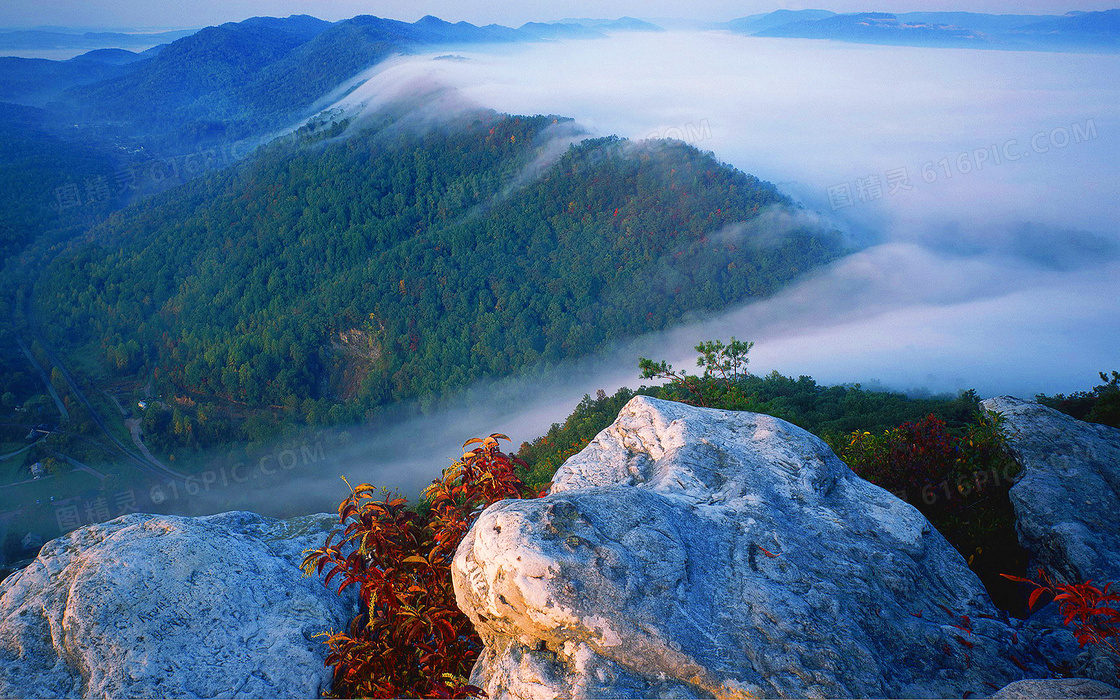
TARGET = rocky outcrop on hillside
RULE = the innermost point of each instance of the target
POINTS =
(1067, 499)
(686, 552)
(162, 606)
(691, 552)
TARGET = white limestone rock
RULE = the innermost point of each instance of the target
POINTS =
(162, 606)
(1067, 499)
(691, 552)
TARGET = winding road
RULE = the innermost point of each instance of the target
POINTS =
(152, 467)
(46, 379)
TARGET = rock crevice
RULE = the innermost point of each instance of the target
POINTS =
(1067, 498)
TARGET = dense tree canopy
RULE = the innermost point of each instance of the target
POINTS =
(334, 276)
(46, 182)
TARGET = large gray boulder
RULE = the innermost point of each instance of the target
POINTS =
(691, 552)
(161, 606)
(1067, 499)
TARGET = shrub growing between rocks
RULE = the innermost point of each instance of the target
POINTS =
(959, 481)
(410, 639)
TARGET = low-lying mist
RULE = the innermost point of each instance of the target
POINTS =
(896, 316)
(980, 186)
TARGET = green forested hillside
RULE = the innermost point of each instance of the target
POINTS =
(194, 89)
(330, 278)
(45, 181)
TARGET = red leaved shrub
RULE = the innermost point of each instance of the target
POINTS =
(909, 458)
(1091, 611)
(925, 463)
(410, 639)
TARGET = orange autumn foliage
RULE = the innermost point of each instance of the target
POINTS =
(410, 639)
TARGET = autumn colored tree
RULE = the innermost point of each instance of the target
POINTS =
(410, 639)
(912, 458)
(926, 463)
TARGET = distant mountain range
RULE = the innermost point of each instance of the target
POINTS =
(1074, 31)
(622, 24)
(242, 78)
(427, 30)
(22, 39)
(35, 81)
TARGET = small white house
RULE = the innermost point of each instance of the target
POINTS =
(37, 470)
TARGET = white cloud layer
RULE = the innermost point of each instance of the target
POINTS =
(1010, 162)
(998, 269)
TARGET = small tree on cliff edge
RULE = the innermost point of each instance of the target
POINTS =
(723, 365)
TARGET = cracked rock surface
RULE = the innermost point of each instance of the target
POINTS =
(1067, 515)
(1067, 499)
(164, 606)
(691, 552)
(1056, 688)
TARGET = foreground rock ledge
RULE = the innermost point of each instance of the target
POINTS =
(691, 552)
(161, 606)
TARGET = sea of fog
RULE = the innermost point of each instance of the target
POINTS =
(982, 185)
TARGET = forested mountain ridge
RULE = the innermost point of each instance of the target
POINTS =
(336, 277)
(227, 87)
(36, 81)
(238, 80)
(195, 88)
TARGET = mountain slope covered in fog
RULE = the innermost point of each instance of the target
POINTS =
(335, 277)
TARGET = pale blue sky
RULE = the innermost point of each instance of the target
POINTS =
(175, 13)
